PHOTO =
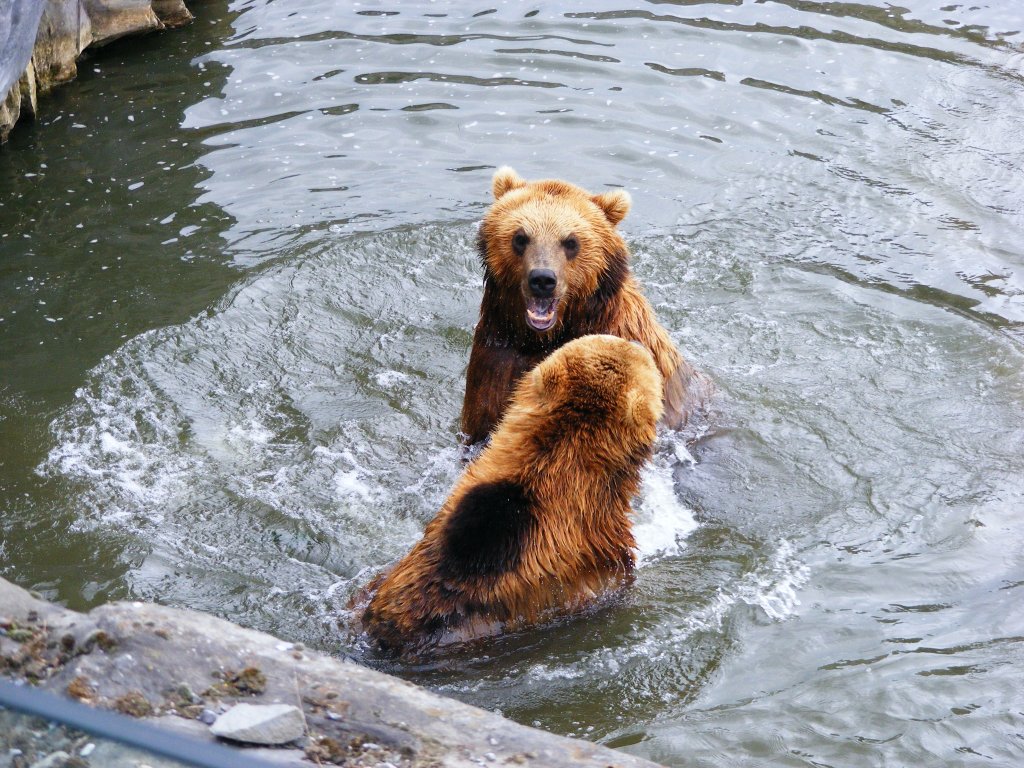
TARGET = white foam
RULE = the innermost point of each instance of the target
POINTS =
(772, 587)
(253, 432)
(351, 483)
(354, 481)
(541, 671)
(120, 441)
(661, 521)
(438, 477)
(112, 445)
(390, 379)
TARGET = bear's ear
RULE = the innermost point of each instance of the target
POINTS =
(505, 180)
(547, 380)
(639, 409)
(615, 204)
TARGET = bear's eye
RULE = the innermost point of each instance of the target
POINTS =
(519, 242)
(571, 245)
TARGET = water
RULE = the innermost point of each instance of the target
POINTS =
(239, 283)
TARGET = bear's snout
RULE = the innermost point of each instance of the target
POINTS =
(542, 283)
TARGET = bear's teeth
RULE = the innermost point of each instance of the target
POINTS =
(540, 314)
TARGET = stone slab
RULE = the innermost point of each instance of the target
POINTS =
(167, 665)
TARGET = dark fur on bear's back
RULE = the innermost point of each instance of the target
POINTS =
(538, 525)
(487, 530)
(596, 294)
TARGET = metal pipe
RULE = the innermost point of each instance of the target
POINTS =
(120, 728)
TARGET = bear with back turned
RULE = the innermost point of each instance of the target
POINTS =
(555, 269)
(538, 525)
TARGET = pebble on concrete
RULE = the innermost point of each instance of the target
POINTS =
(268, 724)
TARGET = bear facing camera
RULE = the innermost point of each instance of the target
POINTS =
(538, 525)
(556, 268)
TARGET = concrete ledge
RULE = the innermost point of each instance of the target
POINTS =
(173, 667)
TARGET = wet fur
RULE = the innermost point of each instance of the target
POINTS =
(601, 296)
(538, 525)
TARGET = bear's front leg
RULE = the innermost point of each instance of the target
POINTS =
(492, 375)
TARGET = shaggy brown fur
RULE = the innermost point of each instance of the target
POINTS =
(538, 525)
(566, 238)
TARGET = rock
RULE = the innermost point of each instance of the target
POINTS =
(207, 716)
(53, 760)
(10, 111)
(27, 84)
(345, 705)
(19, 20)
(186, 693)
(270, 724)
(172, 13)
(64, 29)
(64, 32)
(112, 19)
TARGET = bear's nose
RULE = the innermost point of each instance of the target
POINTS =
(542, 283)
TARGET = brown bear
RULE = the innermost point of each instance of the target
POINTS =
(556, 268)
(538, 525)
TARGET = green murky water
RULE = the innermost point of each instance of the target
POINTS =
(238, 287)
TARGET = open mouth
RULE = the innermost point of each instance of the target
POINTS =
(540, 313)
